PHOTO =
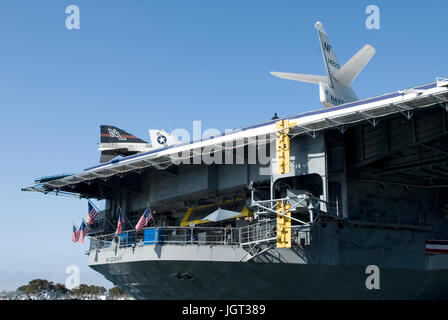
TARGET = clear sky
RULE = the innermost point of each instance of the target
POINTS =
(140, 64)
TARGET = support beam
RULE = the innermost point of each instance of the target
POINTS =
(259, 253)
(407, 113)
(444, 152)
(311, 133)
(340, 126)
(434, 173)
(399, 183)
(372, 120)
(443, 103)
(411, 166)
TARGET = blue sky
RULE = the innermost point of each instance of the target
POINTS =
(163, 64)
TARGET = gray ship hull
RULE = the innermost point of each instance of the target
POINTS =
(237, 280)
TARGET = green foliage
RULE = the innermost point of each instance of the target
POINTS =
(38, 286)
(84, 289)
(60, 289)
(117, 292)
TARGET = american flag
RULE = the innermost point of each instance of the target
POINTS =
(92, 214)
(144, 219)
(83, 231)
(120, 223)
(75, 234)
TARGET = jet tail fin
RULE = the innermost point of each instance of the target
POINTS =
(335, 88)
(117, 142)
(111, 134)
(161, 139)
(349, 71)
(330, 58)
(309, 78)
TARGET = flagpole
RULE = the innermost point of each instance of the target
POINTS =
(75, 231)
(125, 217)
(86, 224)
(94, 206)
(111, 224)
(153, 219)
(139, 221)
(105, 217)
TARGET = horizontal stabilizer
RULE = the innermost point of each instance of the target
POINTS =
(309, 78)
(348, 72)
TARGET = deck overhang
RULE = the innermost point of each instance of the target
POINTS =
(125, 173)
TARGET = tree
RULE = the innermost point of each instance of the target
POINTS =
(116, 292)
(60, 289)
(97, 290)
(84, 289)
(81, 290)
(37, 286)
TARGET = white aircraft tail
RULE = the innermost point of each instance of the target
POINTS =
(116, 143)
(330, 58)
(161, 139)
(349, 71)
(335, 88)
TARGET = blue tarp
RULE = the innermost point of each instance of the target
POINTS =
(128, 238)
(149, 236)
(153, 236)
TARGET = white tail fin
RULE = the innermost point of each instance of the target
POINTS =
(335, 88)
(330, 58)
(349, 71)
(161, 139)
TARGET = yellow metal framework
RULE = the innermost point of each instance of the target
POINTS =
(283, 167)
(283, 225)
(283, 146)
(208, 208)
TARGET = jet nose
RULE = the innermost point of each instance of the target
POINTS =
(318, 25)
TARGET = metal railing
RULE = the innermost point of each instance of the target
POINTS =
(260, 232)
(306, 203)
(168, 235)
(252, 235)
(266, 231)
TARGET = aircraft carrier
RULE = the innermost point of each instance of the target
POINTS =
(356, 185)
(345, 202)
